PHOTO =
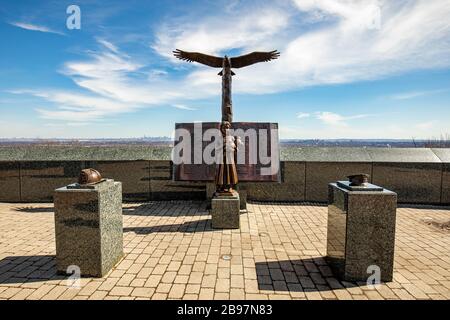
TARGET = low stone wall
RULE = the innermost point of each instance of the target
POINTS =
(30, 174)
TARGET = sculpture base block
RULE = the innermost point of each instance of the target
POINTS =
(88, 228)
(225, 211)
(211, 190)
(361, 232)
(242, 199)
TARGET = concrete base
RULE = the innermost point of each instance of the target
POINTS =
(211, 189)
(89, 228)
(361, 233)
(225, 211)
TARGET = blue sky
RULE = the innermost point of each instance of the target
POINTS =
(348, 68)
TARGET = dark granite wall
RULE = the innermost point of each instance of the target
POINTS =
(445, 195)
(320, 174)
(413, 182)
(9, 181)
(291, 188)
(162, 186)
(39, 179)
(134, 175)
(417, 175)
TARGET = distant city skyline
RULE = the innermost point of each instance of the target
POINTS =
(168, 142)
(348, 69)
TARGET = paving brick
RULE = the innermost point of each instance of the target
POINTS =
(90, 288)
(163, 288)
(237, 281)
(143, 292)
(169, 277)
(237, 294)
(108, 284)
(209, 281)
(125, 280)
(22, 294)
(121, 291)
(40, 292)
(195, 278)
(183, 279)
(159, 296)
(313, 295)
(55, 293)
(206, 294)
(221, 296)
(192, 288)
(138, 282)
(9, 292)
(177, 291)
(222, 285)
(98, 295)
(153, 281)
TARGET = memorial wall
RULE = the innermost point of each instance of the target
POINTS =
(418, 175)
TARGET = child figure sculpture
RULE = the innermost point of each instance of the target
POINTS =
(226, 173)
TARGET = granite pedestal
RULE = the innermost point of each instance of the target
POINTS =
(361, 230)
(88, 227)
(211, 190)
(225, 211)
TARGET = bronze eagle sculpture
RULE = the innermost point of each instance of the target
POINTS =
(226, 173)
(226, 64)
(234, 62)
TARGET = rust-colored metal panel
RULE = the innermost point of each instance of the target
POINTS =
(246, 172)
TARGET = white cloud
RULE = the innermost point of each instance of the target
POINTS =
(34, 27)
(183, 107)
(225, 31)
(302, 115)
(117, 85)
(108, 45)
(331, 118)
(102, 64)
(364, 14)
(77, 107)
(415, 94)
(411, 36)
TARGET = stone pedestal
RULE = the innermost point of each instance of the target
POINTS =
(88, 227)
(211, 189)
(225, 211)
(242, 199)
(361, 231)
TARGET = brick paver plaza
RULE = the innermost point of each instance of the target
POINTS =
(171, 252)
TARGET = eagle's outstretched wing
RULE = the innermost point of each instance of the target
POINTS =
(211, 61)
(254, 57)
